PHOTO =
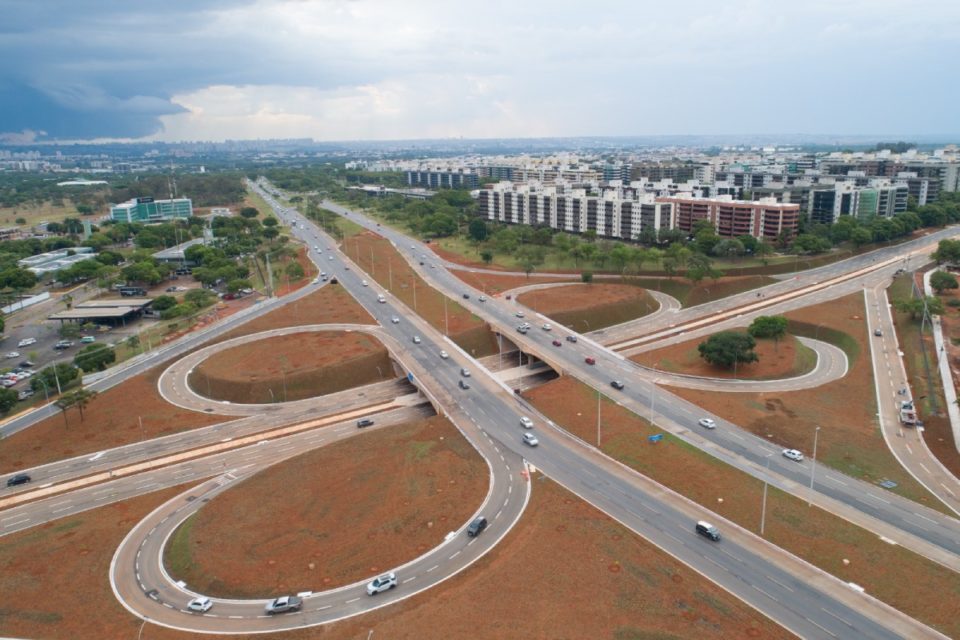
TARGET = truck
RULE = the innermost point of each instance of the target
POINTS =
(908, 414)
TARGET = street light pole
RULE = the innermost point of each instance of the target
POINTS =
(446, 326)
(813, 467)
(598, 419)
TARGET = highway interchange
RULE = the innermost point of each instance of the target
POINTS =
(803, 599)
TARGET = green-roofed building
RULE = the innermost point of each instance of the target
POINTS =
(150, 210)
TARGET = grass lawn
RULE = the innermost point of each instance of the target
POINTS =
(587, 307)
(920, 587)
(35, 214)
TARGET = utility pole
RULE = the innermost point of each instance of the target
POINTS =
(598, 419)
(813, 467)
(763, 508)
(446, 326)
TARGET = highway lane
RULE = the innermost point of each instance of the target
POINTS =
(499, 410)
(919, 528)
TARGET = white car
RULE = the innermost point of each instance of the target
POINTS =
(526, 422)
(444, 355)
(12, 354)
(530, 440)
(793, 454)
(381, 583)
(365, 283)
(329, 257)
(519, 314)
(416, 339)
(482, 298)
(546, 326)
(395, 320)
(200, 604)
(707, 423)
(26, 342)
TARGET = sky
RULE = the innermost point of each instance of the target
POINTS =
(330, 70)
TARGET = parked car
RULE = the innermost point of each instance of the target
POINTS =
(88, 339)
(26, 342)
(530, 440)
(63, 344)
(20, 478)
(793, 454)
(12, 354)
(200, 604)
(382, 583)
(707, 423)
(476, 526)
(26, 393)
(708, 531)
(284, 604)
(27, 363)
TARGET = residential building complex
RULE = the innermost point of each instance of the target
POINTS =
(150, 210)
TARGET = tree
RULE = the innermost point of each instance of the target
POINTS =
(769, 327)
(947, 251)
(249, 212)
(620, 257)
(487, 256)
(69, 331)
(586, 276)
(915, 306)
(726, 348)
(270, 233)
(728, 248)
(941, 281)
(79, 398)
(294, 270)
(49, 376)
(270, 222)
(95, 357)
(478, 230)
(162, 303)
(860, 236)
(8, 398)
(133, 341)
(199, 297)
(236, 285)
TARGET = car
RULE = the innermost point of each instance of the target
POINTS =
(433, 266)
(88, 339)
(463, 384)
(283, 604)
(365, 283)
(63, 344)
(589, 360)
(571, 338)
(444, 355)
(526, 422)
(707, 423)
(171, 290)
(26, 342)
(509, 297)
(12, 354)
(27, 363)
(20, 478)
(200, 604)
(522, 328)
(557, 343)
(413, 246)
(364, 422)
(329, 257)
(519, 314)
(530, 440)
(546, 326)
(381, 583)
(8, 382)
(416, 339)
(476, 526)
(616, 384)
(26, 393)
(707, 530)
(466, 296)
(316, 248)
(395, 320)
(793, 454)
(877, 332)
(482, 298)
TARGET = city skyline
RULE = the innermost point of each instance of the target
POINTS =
(371, 70)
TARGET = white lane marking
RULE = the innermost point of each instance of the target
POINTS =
(96, 457)
(432, 568)
(454, 555)
(836, 480)
(837, 617)
(409, 579)
(351, 601)
(777, 582)
(756, 588)
(821, 628)
(13, 524)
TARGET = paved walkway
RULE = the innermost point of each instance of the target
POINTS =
(946, 373)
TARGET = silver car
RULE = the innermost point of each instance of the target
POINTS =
(530, 440)
(200, 604)
(284, 604)
(382, 583)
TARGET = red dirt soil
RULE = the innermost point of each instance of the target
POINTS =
(776, 360)
(810, 533)
(850, 438)
(309, 269)
(586, 307)
(292, 367)
(633, 588)
(351, 510)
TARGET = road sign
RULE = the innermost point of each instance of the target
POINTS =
(655, 438)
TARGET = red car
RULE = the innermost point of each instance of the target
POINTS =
(509, 296)
(557, 343)
(590, 361)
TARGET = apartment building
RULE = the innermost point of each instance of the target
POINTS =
(615, 213)
(443, 179)
(763, 219)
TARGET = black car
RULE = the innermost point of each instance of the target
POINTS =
(26, 364)
(364, 422)
(571, 338)
(463, 384)
(707, 530)
(466, 296)
(474, 528)
(20, 478)
(616, 384)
